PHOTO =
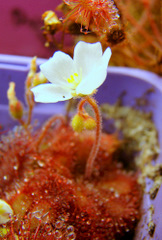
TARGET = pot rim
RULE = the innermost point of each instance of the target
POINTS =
(22, 63)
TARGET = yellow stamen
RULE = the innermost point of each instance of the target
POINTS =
(74, 80)
(71, 79)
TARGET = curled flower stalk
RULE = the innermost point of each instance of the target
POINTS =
(93, 153)
(76, 78)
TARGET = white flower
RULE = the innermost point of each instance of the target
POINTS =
(75, 77)
(5, 212)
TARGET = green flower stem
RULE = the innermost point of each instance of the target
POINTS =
(95, 148)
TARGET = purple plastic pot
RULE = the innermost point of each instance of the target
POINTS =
(135, 82)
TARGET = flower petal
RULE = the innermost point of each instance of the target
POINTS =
(86, 55)
(58, 68)
(50, 93)
(96, 77)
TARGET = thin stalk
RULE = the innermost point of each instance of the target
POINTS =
(37, 229)
(12, 230)
(46, 127)
(21, 121)
(95, 148)
(30, 102)
(68, 108)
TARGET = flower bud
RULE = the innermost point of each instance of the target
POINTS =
(50, 18)
(89, 123)
(77, 123)
(15, 106)
(39, 78)
(5, 212)
(4, 232)
(16, 109)
(32, 72)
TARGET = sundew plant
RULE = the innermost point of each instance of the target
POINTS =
(63, 181)
(68, 179)
(76, 78)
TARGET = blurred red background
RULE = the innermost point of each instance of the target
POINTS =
(20, 27)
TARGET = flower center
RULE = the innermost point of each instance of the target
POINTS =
(74, 80)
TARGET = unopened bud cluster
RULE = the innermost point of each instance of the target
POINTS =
(81, 122)
(34, 78)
